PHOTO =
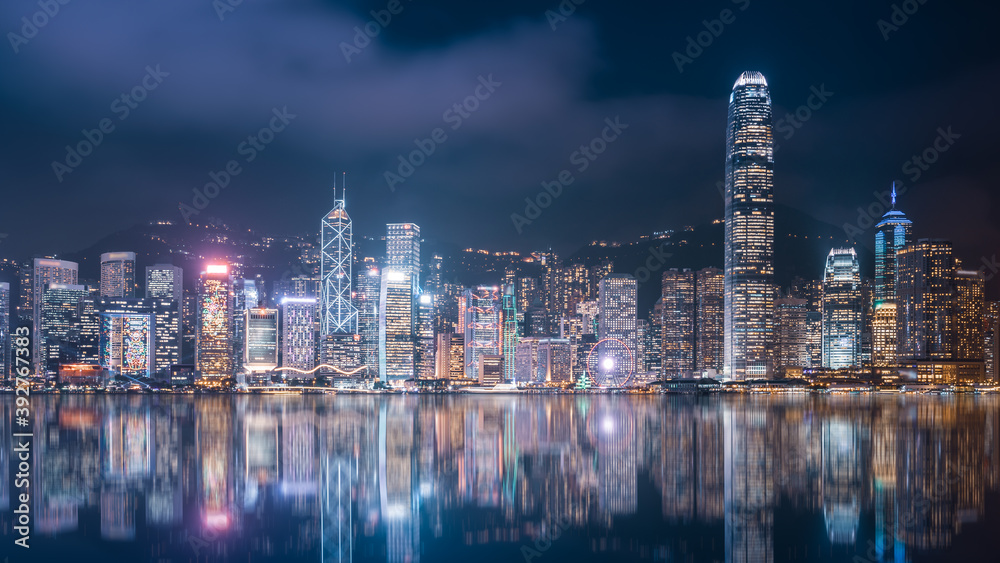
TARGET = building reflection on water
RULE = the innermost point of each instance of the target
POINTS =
(404, 479)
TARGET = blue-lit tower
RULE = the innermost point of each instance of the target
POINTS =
(893, 232)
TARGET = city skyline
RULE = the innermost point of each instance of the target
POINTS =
(933, 82)
(630, 282)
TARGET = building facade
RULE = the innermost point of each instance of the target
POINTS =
(710, 285)
(842, 309)
(118, 274)
(677, 355)
(214, 348)
(749, 223)
(617, 324)
(482, 326)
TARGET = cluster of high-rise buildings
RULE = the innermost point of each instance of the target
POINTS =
(84, 331)
(392, 317)
(922, 318)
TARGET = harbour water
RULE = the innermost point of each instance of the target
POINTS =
(490, 478)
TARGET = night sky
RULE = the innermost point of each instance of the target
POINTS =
(223, 70)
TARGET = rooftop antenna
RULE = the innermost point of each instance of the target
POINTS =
(343, 185)
(893, 195)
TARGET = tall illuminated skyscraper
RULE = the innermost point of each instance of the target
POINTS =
(482, 326)
(127, 340)
(991, 342)
(924, 295)
(122, 322)
(678, 294)
(118, 274)
(617, 320)
(969, 312)
(366, 301)
(60, 316)
(509, 331)
(749, 244)
(337, 314)
(298, 335)
(402, 249)
(165, 281)
(214, 349)
(884, 334)
(710, 286)
(792, 335)
(893, 232)
(260, 351)
(842, 309)
(395, 326)
(46, 271)
(423, 337)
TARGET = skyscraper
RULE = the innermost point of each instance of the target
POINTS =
(991, 342)
(893, 232)
(60, 318)
(165, 284)
(165, 281)
(571, 286)
(298, 335)
(44, 272)
(617, 321)
(260, 353)
(678, 332)
(337, 313)
(884, 334)
(749, 243)
(127, 339)
(424, 336)
(482, 326)
(653, 347)
(509, 331)
(164, 327)
(710, 286)
(395, 326)
(842, 309)
(792, 334)
(969, 309)
(366, 301)
(214, 350)
(118, 274)
(450, 351)
(402, 249)
(924, 293)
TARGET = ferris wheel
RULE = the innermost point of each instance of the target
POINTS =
(605, 367)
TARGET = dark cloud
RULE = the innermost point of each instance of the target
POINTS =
(557, 88)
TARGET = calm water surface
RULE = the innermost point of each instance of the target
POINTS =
(507, 478)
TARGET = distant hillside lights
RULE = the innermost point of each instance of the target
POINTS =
(249, 149)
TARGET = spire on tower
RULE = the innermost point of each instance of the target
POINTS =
(893, 195)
